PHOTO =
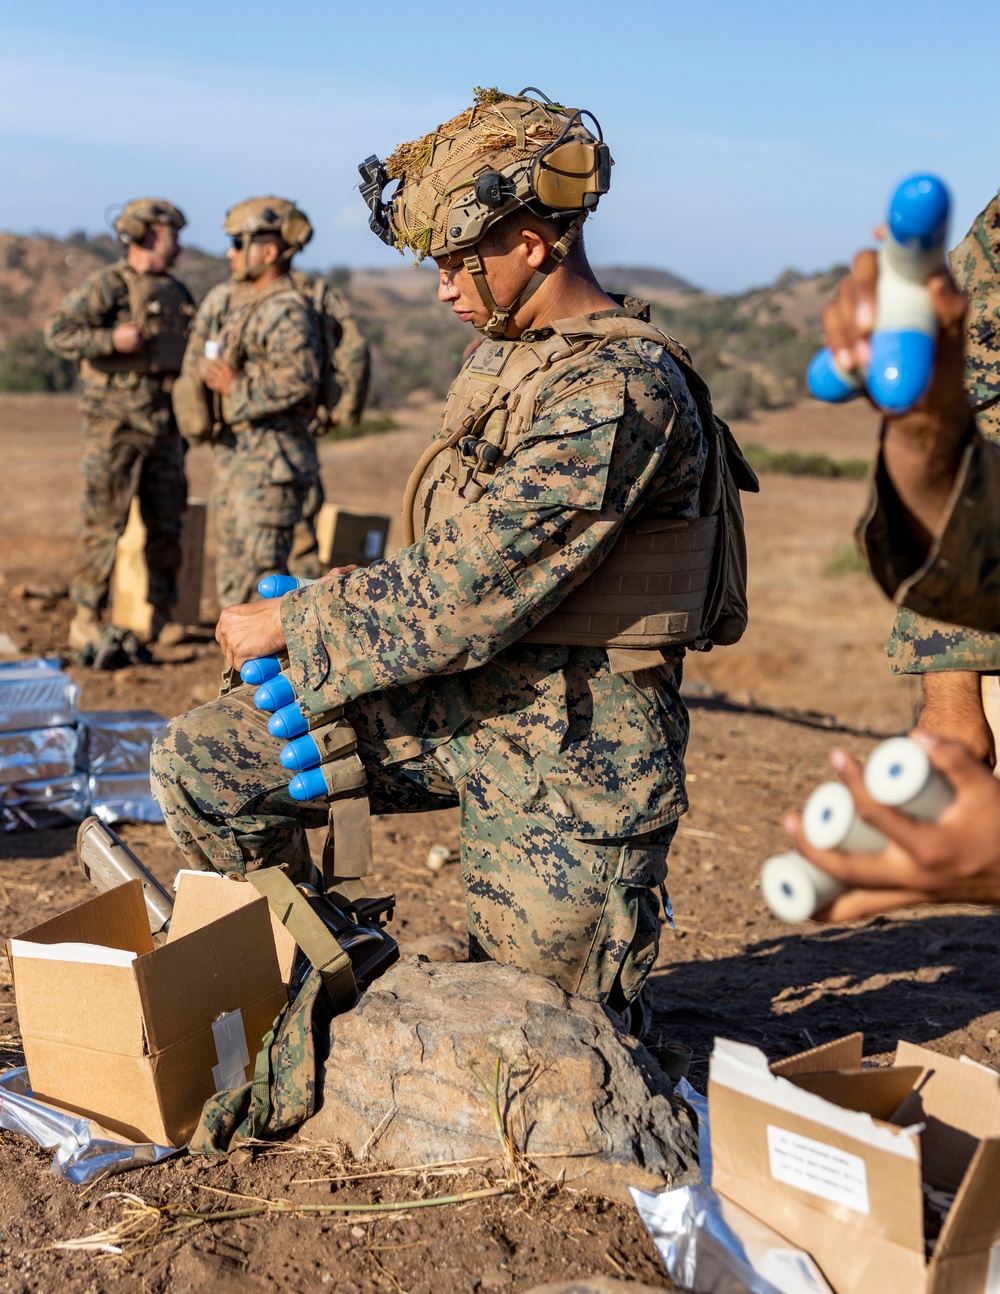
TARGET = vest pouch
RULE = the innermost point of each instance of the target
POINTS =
(168, 340)
(192, 408)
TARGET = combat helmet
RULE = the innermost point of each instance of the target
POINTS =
(136, 217)
(269, 215)
(505, 152)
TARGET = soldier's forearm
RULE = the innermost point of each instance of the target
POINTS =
(78, 341)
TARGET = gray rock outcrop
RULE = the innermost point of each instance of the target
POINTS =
(408, 1066)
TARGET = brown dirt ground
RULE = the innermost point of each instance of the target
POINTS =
(809, 672)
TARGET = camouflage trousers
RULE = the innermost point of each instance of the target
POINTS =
(119, 463)
(584, 913)
(262, 482)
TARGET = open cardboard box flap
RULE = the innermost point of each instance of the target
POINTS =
(132, 1045)
(832, 1155)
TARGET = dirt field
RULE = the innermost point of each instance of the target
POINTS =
(809, 673)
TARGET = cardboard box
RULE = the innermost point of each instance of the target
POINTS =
(349, 538)
(130, 582)
(832, 1155)
(139, 1037)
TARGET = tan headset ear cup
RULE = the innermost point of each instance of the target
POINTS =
(296, 231)
(131, 229)
(565, 174)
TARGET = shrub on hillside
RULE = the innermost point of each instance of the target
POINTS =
(27, 365)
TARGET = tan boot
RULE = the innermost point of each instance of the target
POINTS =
(84, 629)
(166, 632)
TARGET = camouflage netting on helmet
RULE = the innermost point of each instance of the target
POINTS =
(438, 171)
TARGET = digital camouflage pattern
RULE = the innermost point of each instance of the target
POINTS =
(569, 779)
(282, 1093)
(131, 444)
(918, 644)
(265, 466)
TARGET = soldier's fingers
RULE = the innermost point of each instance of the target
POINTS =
(855, 905)
(914, 838)
(838, 333)
(864, 275)
(948, 301)
(955, 762)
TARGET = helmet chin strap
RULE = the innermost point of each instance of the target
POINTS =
(496, 326)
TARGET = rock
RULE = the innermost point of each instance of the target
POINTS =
(444, 947)
(576, 1096)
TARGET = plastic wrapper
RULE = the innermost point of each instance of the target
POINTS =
(38, 755)
(711, 1246)
(36, 694)
(699, 1104)
(124, 799)
(118, 744)
(84, 1150)
(28, 806)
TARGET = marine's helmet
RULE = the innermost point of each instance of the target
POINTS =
(270, 215)
(136, 217)
(505, 152)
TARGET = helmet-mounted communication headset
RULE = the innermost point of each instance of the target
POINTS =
(136, 216)
(503, 153)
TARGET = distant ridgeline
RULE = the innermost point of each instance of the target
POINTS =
(751, 348)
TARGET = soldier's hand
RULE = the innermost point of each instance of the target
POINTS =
(127, 338)
(922, 448)
(250, 630)
(218, 376)
(953, 860)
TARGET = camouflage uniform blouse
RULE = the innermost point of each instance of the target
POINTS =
(919, 645)
(430, 636)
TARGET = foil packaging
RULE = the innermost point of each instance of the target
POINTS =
(84, 1151)
(30, 806)
(36, 694)
(38, 754)
(118, 744)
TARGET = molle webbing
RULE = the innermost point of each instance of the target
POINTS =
(653, 587)
(650, 591)
(158, 304)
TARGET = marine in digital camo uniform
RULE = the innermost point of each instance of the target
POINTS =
(960, 667)
(125, 328)
(256, 346)
(521, 657)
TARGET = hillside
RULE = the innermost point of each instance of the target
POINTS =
(752, 348)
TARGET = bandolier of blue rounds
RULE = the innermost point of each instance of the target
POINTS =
(275, 693)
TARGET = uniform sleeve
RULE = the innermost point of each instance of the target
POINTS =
(478, 580)
(958, 579)
(81, 328)
(920, 645)
(288, 373)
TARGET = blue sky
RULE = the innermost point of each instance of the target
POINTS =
(747, 137)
